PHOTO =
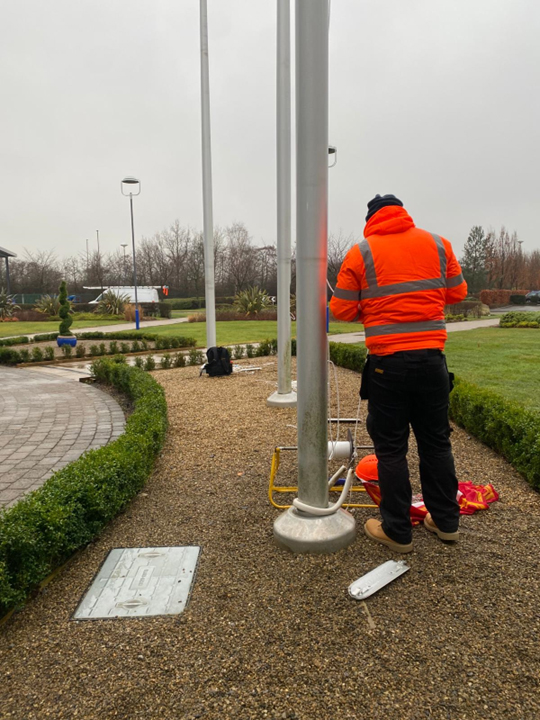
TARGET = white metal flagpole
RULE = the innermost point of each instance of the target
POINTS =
(284, 397)
(317, 527)
(208, 222)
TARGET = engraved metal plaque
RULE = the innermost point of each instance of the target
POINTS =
(138, 582)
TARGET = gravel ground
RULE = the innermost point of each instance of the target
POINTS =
(272, 635)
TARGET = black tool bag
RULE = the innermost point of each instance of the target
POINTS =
(219, 362)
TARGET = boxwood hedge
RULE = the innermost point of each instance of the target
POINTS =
(352, 357)
(46, 527)
(21, 340)
(503, 425)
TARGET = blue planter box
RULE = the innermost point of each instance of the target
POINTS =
(66, 340)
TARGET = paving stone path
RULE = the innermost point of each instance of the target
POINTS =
(47, 422)
(356, 337)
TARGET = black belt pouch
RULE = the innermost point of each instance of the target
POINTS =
(364, 384)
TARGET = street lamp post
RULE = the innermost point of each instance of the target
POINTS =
(129, 183)
(99, 262)
(124, 245)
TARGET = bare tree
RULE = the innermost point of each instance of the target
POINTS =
(241, 257)
(195, 265)
(338, 247)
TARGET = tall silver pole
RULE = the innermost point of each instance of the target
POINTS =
(134, 262)
(312, 232)
(284, 397)
(208, 222)
(297, 530)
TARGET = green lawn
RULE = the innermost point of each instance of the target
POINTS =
(27, 328)
(238, 331)
(504, 360)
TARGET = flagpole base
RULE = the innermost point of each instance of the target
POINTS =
(277, 399)
(301, 533)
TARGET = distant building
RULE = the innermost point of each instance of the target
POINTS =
(7, 254)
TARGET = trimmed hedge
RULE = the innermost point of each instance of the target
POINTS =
(46, 527)
(498, 298)
(197, 302)
(134, 335)
(7, 342)
(352, 357)
(45, 336)
(165, 310)
(518, 299)
(503, 425)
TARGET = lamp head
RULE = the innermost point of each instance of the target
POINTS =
(129, 185)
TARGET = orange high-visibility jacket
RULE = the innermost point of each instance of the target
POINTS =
(397, 282)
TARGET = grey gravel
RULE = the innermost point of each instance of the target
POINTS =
(272, 635)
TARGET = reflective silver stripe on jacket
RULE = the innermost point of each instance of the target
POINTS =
(455, 281)
(398, 328)
(374, 290)
(342, 294)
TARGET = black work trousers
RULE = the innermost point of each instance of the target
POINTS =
(412, 389)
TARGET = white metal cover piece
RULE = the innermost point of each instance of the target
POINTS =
(136, 582)
(375, 579)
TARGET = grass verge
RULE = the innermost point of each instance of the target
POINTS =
(239, 331)
(47, 526)
(504, 361)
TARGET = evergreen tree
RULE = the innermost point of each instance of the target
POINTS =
(473, 262)
(65, 307)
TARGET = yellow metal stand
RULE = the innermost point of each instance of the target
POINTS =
(272, 488)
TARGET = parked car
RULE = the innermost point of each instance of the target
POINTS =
(144, 294)
(533, 297)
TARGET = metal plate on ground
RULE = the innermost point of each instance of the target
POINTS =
(376, 579)
(140, 582)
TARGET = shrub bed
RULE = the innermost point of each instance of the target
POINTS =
(520, 319)
(352, 357)
(46, 527)
(10, 356)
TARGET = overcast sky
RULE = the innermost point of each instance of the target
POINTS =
(436, 101)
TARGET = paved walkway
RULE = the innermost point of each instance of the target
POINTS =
(131, 326)
(515, 308)
(47, 422)
(351, 338)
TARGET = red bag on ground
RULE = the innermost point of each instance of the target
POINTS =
(470, 497)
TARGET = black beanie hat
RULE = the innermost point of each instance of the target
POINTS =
(380, 201)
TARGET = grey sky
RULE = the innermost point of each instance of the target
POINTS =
(434, 100)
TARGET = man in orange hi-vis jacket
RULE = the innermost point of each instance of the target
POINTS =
(396, 282)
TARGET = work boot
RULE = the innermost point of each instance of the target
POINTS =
(446, 536)
(374, 531)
